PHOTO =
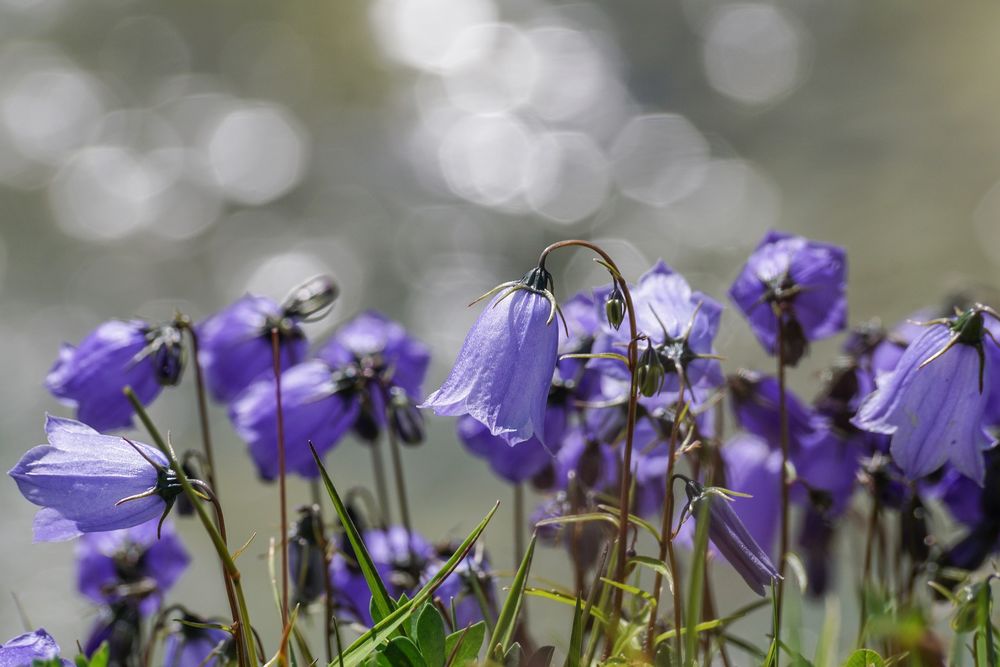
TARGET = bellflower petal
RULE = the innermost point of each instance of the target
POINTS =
(504, 370)
(313, 409)
(92, 375)
(807, 278)
(514, 463)
(23, 650)
(79, 476)
(934, 413)
(235, 345)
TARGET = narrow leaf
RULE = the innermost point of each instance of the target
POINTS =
(503, 631)
(575, 652)
(381, 602)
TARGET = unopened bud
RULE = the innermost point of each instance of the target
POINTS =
(405, 419)
(794, 342)
(311, 297)
(167, 350)
(650, 372)
(614, 307)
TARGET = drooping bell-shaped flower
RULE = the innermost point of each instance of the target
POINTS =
(192, 646)
(933, 403)
(732, 539)
(24, 649)
(117, 354)
(142, 563)
(503, 372)
(86, 482)
(801, 281)
(514, 463)
(756, 401)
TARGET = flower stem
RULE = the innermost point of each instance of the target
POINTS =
(867, 571)
(400, 480)
(381, 492)
(666, 541)
(282, 490)
(242, 630)
(784, 481)
(633, 401)
(184, 322)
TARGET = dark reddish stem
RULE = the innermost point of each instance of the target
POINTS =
(282, 491)
(633, 401)
(784, 482)
(199, 379)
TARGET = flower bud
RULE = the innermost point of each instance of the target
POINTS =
(614, 307)
(405, 419)
(650, 372)
(311, 297)
(167, 350)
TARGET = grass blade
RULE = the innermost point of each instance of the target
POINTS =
(696, 588)
(380, 596)
(575, 651)
(503, 631)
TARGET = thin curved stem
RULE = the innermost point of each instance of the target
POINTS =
(184, 322)
(785, 482)
(282, 488)
(633, 401)
(666, 539)
(241, 614)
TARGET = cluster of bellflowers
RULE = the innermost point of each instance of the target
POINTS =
(599, 399)
(114, 493)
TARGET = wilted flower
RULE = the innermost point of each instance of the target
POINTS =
(135, 563)
(86, 482)
(933, 403)
(801, 281)
(727, 532)
(191, 646)
(306, 558)
(23, 650)
(503, 372)
(116, 355)
(120, 625)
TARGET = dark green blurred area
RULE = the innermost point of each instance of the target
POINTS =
(158, 155)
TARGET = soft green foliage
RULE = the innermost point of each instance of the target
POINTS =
(463, 646)
(100, 658)
(503, 632)
(865, 658)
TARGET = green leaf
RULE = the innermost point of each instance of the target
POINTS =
(696, 588)
(368, 642)
(556, 596)
(463, 646)
(381, 602)
(402, 652)
(99, 658)
(429, 631)
(503, 631)
(864, 657)
(575, 652)
(54, 662)
(653, 564)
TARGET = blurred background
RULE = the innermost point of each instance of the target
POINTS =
(160, 155)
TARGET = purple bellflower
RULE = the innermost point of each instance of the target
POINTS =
(681, 324)
(86, 482)
(801, 281)
(933, 403)
(503, 372)
(130, 563)
(369, 367)
(190, 646)
(461, 589)
(728, 534)
(23, 650)
(117, 354)
(235, 346)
